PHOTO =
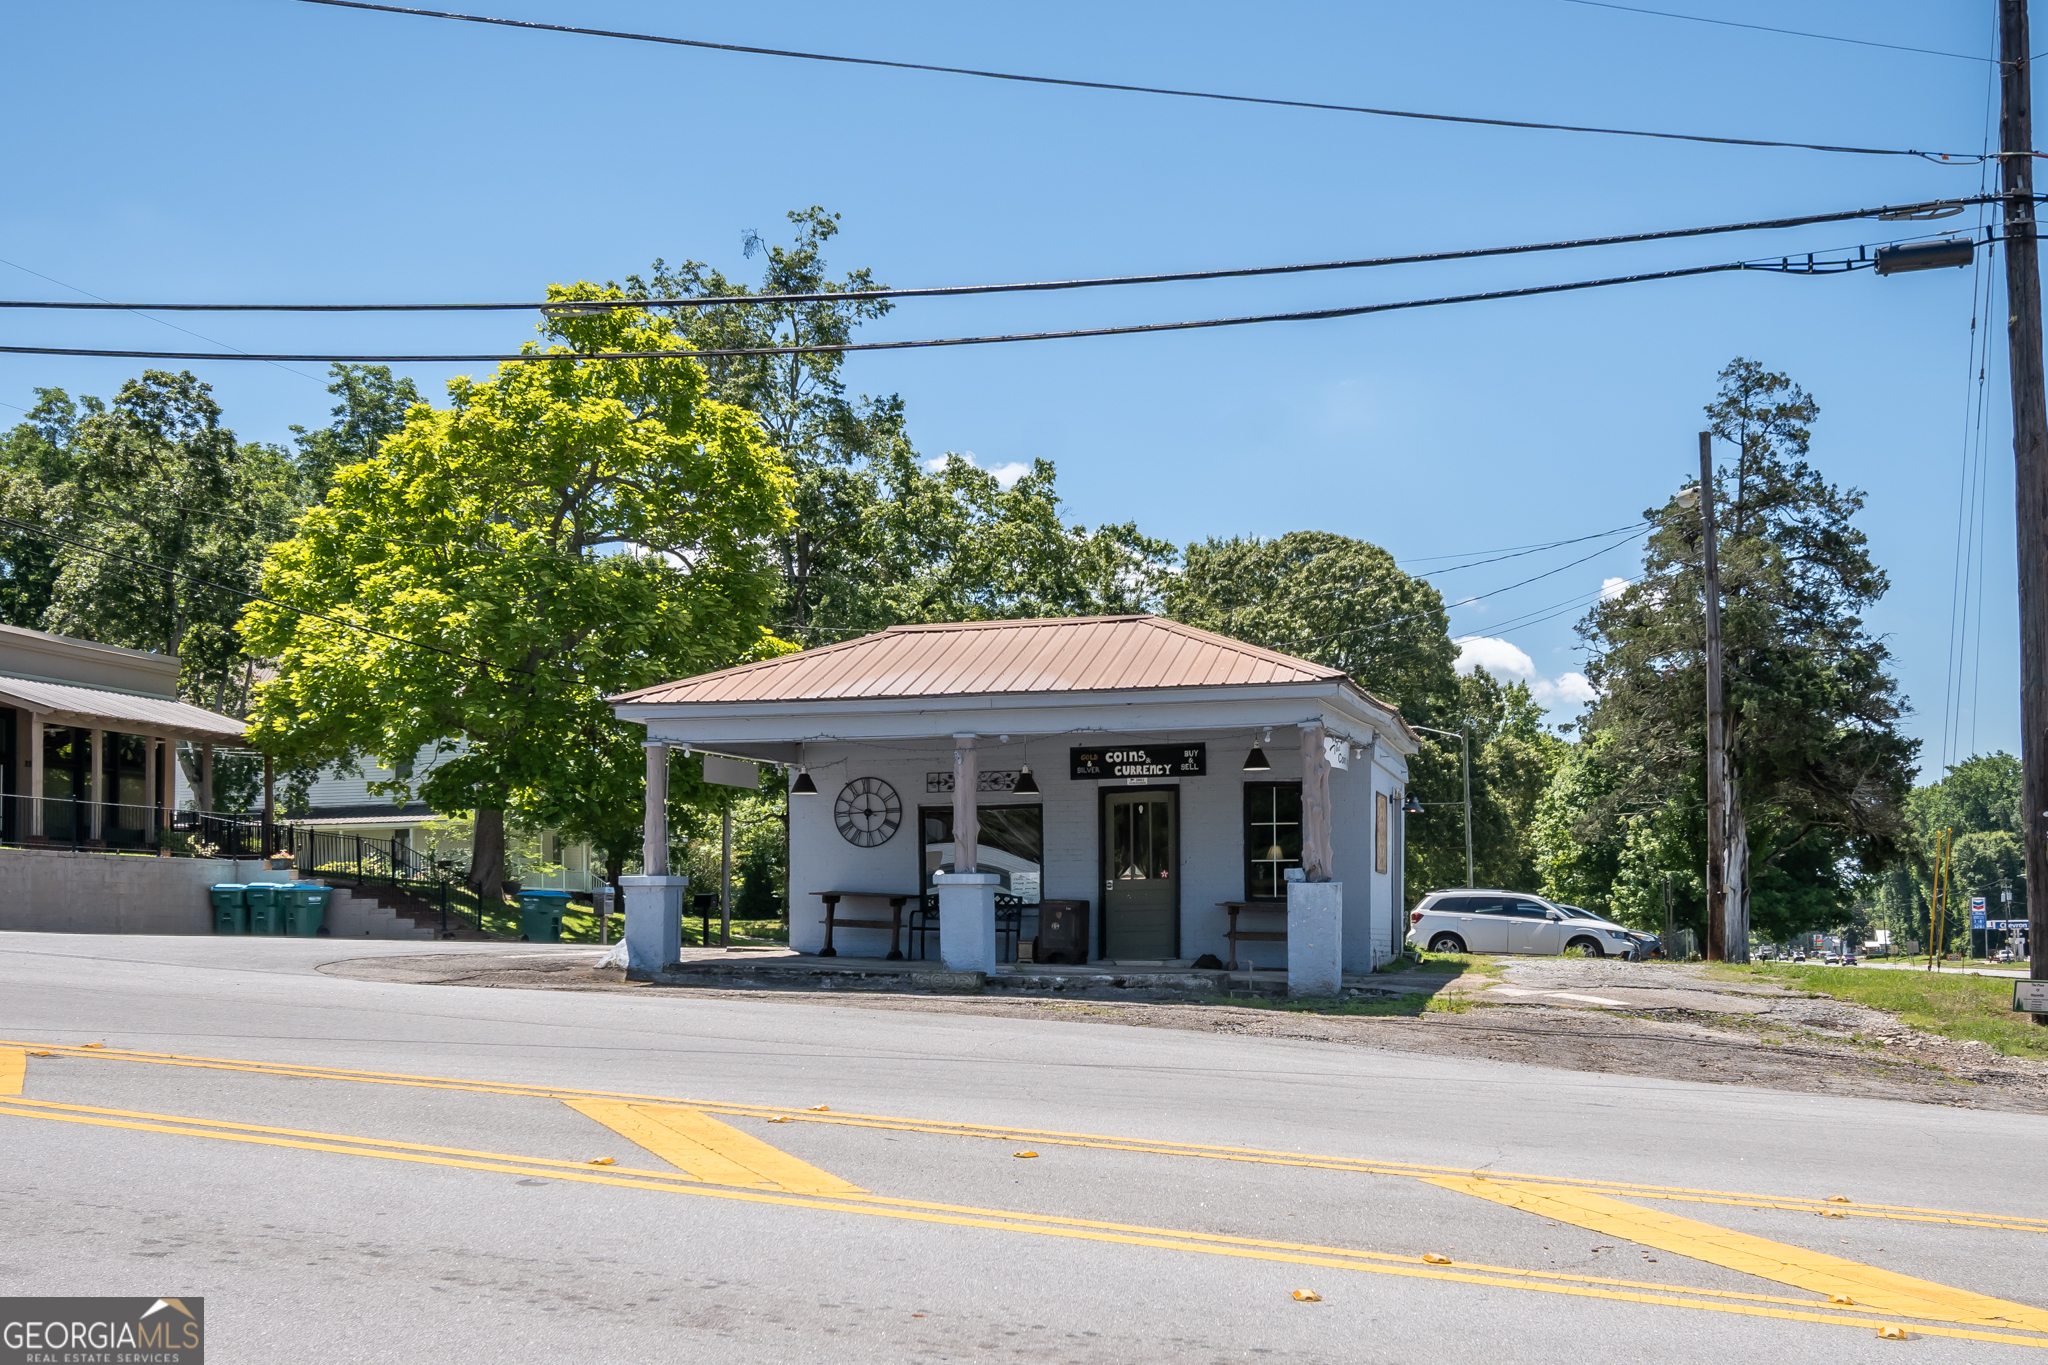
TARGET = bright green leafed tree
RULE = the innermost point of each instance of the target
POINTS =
(566, 530)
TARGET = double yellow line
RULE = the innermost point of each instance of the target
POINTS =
(1044, 1225)
(1827, 1207)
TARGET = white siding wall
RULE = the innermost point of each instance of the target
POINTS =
(1211, 839)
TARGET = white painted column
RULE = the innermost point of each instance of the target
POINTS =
(966, 809)
(95, 784)
(35, 774)
(1315, 905)
(654, 900)
(206, 778)
(967, 920)
(149, 792)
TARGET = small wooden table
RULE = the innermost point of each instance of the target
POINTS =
(1237, 935)
(894, 924)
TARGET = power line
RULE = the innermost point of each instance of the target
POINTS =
(1522, 552)
(840, 348)
(1956, 159)
(1790, 32)
(1894, 212)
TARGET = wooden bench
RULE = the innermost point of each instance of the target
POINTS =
(894, 924)
(1237, 935)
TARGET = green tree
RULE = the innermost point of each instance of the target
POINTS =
(1344, 603)
(35, 458)
(373, 406)
(1818, 769)
(569, 529)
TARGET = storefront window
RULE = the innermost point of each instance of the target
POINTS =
(1272, 838)
(1012, 845)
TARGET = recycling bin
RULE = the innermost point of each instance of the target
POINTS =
(266, 906)
(540, 915)
(230, 908)
(305, 908)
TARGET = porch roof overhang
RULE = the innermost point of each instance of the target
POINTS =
(125, 712)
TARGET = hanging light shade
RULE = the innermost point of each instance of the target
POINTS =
(803, 786)
(1255, 761)
(1026, 783)
(1276, 854)
(1411, 806)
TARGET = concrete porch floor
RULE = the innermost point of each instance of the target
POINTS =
(779, 966)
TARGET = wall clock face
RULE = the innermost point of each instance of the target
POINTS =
(867, 812)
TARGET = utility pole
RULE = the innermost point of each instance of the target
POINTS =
(725, 883)
(1465, 741)
(1717, 771)
(2029, 452)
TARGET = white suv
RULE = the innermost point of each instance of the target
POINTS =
(1510, 922)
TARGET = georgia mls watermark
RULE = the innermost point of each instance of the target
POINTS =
(67, 1331)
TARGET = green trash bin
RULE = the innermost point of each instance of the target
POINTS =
(266, 906)
(230, 908)
(540, 915)
(305, 909)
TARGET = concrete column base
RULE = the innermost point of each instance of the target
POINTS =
(1315, 939)
(967, 920)
(654, 921)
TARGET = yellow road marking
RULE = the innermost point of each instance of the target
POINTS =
(713, 1152)
(994, 1220)
(1865, 1285)
(1368, 1166)
(13, 1066)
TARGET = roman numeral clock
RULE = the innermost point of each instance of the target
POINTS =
(868, 812)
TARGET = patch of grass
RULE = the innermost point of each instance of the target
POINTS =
(1402, 1006)
(579, 925)
(1949, 1004)
(1445, 964)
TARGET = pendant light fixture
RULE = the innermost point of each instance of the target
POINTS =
(1026, 784)
(803, 786)
(1255, 761)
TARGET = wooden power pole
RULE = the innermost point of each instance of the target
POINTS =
(1717, 760)
(2030, 455)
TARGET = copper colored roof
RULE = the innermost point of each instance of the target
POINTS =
(968, 658)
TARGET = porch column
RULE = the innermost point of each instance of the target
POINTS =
(96, 824)
(149, 789)
(35, 775)
(1315, 906)
(966, 812)
(654, 900)
(206, 778)
(269, 806)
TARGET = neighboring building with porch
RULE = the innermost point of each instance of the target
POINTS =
(1162, 783)
(88, 741)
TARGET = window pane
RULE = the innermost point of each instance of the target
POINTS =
(1160, 864)
(1272, 837)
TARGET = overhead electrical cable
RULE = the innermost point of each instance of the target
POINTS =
(1788, 32)
(1521, 553)
(1895, 212)
(1072, 83)
(537, 356)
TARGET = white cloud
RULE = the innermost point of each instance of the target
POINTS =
(1503, 660)
(1611, 588)
(1006, 474)
(1566, 692)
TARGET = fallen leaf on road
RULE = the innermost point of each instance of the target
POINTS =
(1307, 1296)
(1025, 1154)
(1434, 1259)
(1829, 1213)
(1892, 1332)
(92, 1044)
(821, 1109)
(784, 1119)
(1838, 1199)
(602, 1161)
(38, 1054)
(1840, 1298)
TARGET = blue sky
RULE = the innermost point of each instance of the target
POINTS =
(272, 150)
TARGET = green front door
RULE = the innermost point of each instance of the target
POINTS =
(1141, 887)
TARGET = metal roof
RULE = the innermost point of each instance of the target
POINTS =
(970, 658)
(122, 711)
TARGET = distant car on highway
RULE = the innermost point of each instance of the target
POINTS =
(1478, 921)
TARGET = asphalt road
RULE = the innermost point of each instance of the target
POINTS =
(386, 1172)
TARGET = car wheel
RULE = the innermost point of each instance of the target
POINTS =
(1589, 945)
(1447, 943)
